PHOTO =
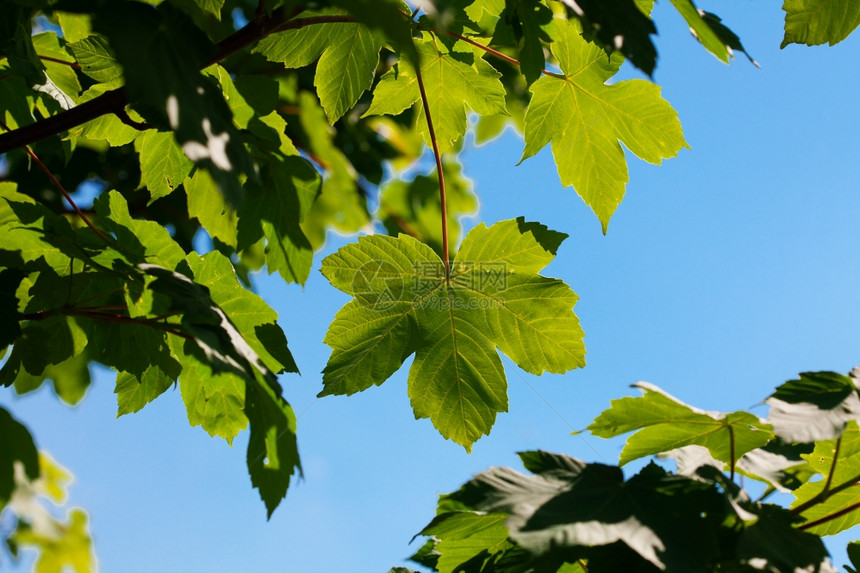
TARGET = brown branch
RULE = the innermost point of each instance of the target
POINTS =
(114, 101)
(491, 51)
(62, 190)
(438, 156)
(74, 65)
(97, 313)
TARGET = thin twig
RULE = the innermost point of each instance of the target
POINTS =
(491, 51)
(438, 156)
(61, 189)
(831, 517)
(823, 495)
(74, 65)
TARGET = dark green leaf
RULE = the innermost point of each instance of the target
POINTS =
(817, 406)
(619, 25)
(18, 448)
(273, 455)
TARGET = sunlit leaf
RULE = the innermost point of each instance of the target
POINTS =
(493, 298)
(587, 119)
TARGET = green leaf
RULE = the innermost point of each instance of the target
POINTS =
(273, 455)
(252, 318)
(839, 461)
(275, 210)
(341, 204)
(107, 127)
(464, 536)
(17, 45)
(815, 22)
(70, 378)
(665, 423)
(585, 119)
(72, 549)
(208, 206)
(63, 75)
(94, 55)
(816, 406)
(18, 447)
(213, 401)
(10, 327)
(133, 392)
(348, 54)
(452, 81)
(494, 298)
(163, 165)
(532, 17)
(701, 29)
(211, 6)
(570, 510)
(241, 111)
(75, 27)
(147, 240)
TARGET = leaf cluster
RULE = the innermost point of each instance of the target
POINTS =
(569, 515)
(156, 154)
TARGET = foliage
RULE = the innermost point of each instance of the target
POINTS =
(570, 515)
(228, 136)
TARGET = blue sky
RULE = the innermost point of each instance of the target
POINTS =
(725, 272)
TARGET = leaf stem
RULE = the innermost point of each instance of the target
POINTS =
(439, 170)
(74, 65)
(491, 51)
(731, 453)
(824, 494)
(61, 189)
(833, 465)
(831, 517)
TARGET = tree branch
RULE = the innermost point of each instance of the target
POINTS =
(62, 190)
(115, 101)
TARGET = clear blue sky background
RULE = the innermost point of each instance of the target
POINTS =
(726, 271)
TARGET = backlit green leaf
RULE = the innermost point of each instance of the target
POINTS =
(452, 81)
(97, 61)
(17, 447)
(815, 22)
(665, 423)
(585, 119)
(163, 165)
(839, 511)
(347, 53)
(493, 298)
